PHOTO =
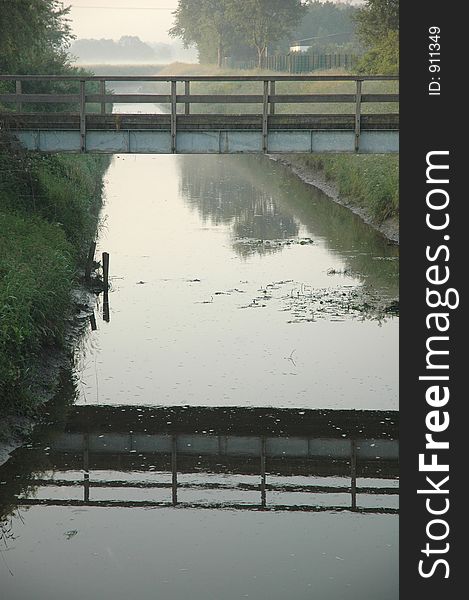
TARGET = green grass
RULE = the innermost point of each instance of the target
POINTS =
(36, 271)
(48, 215)
(308, 87)
(368, 181)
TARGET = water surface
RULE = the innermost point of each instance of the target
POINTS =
(230, 286)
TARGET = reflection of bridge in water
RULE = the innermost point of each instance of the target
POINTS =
(247, 459)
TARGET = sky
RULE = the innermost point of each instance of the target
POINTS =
(148, 19)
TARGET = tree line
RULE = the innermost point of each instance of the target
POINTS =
(219, 28)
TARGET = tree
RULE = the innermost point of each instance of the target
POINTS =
(34, 33)
(376, 19)
(263, 22)
(378, 28)
(206, 24)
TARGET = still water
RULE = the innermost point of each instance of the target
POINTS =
(210, 444)
(220, 298)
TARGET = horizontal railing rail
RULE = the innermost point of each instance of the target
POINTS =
(199, 77)
(196, 98)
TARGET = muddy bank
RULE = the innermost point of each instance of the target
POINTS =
(49, 374)
(388, 228)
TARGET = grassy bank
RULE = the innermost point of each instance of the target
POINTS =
(48, 215)
(367, 181)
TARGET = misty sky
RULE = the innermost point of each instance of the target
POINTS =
(149, 19)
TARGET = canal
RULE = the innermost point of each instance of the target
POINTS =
(230, 429)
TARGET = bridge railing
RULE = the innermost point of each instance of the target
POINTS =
(267, 97)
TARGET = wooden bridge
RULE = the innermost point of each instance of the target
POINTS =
(75, 114)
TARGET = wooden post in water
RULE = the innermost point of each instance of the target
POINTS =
(106, 314)
(106, 270)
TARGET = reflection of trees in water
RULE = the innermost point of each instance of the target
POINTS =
(264, 200)
(212, 186)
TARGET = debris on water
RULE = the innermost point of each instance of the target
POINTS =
(205, 301)
(260, 245)
(255, 304)
(338, 303)
(70, 534)
(140, 282)
(347, 272)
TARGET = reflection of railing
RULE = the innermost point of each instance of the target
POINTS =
(298, 455)
(267, 97)
(222, 457)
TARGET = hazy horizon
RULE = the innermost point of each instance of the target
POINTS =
(150, 20)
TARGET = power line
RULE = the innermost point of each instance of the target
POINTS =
(124, 7)
(321, 37)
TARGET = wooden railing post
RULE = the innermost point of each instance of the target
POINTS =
(86, 467)
(18, 91)
(265, 116)
(102, 91)
(358, 102)
(187, 91)
(174, 473)
(173, 116)
(82, 116)
(263, 494)
(272, 93)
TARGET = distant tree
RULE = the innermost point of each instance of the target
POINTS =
(127, 48)
(378, 28)
(263, 22)
(205, 23)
